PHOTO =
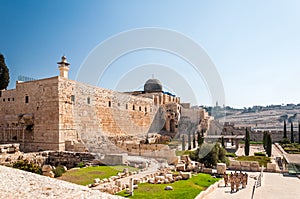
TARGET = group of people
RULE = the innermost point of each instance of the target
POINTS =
(236, 180)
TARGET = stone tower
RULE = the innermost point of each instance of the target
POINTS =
(63, 67)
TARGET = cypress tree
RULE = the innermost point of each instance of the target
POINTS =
(269, 145)
(292, 133)
(299, 132)
(247, 143)
(201, 138)
(194, 140)
(189, 141)
(198, 138)
(284, 130)
(4, 73)
(183, 143)
(222, 142)
(265, 140)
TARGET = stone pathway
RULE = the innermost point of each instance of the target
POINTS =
(224, 192)
(16, 184)
(275, 185)
(253, 149)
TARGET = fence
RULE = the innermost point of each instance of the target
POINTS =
(257, 182)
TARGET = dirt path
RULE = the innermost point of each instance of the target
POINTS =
(152, 168)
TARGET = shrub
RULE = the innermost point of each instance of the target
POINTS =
(259, 154)
(80, 165)
(215, 154)
(285, 141)
(58, 171)
(230, 155)
(27, 166)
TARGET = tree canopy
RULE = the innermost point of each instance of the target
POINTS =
(4, 73)
(216, 154)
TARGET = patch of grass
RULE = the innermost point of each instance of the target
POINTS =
(180, 153)
(259, 154)
(87, 175)
(252, 142)
(291, 148)
(262, 160)
(230, 155)
(182, 189)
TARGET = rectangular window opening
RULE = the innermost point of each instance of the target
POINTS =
(73, 98)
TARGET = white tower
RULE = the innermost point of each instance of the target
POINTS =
(63, 67)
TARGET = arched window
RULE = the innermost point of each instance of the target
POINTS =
(26, 99)
(109, 104)
(88, 100)
(133, 108)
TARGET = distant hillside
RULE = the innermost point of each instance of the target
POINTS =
(259, 117)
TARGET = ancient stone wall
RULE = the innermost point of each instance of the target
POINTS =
(88, 114)
(61, 114)
(29, 115)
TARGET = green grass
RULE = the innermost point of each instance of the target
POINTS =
(182, 189)
(252, 142)
(180, 153)
(260, 159)
(230, 155)
(87, 175)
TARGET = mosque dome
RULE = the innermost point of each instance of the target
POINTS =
(153, 85)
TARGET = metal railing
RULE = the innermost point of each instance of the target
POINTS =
(257, 183)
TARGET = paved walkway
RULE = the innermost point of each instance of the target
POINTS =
(253, 148)
(224, 192)
(274, 185)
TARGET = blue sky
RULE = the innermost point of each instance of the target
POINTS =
(255, 45)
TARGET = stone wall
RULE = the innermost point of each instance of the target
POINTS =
(89, 114)
(244, 165)
(64, 112)
(276, 135)
(229, 129)
(54, 158)
(38, 100)
(68, 159)
(61, 114)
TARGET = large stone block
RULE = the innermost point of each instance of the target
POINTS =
(271, 167)
(207, 170)
(49, 174)
(180, 167)
(186, 175)
(47, 168)
(115, 159)
(221, 168)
